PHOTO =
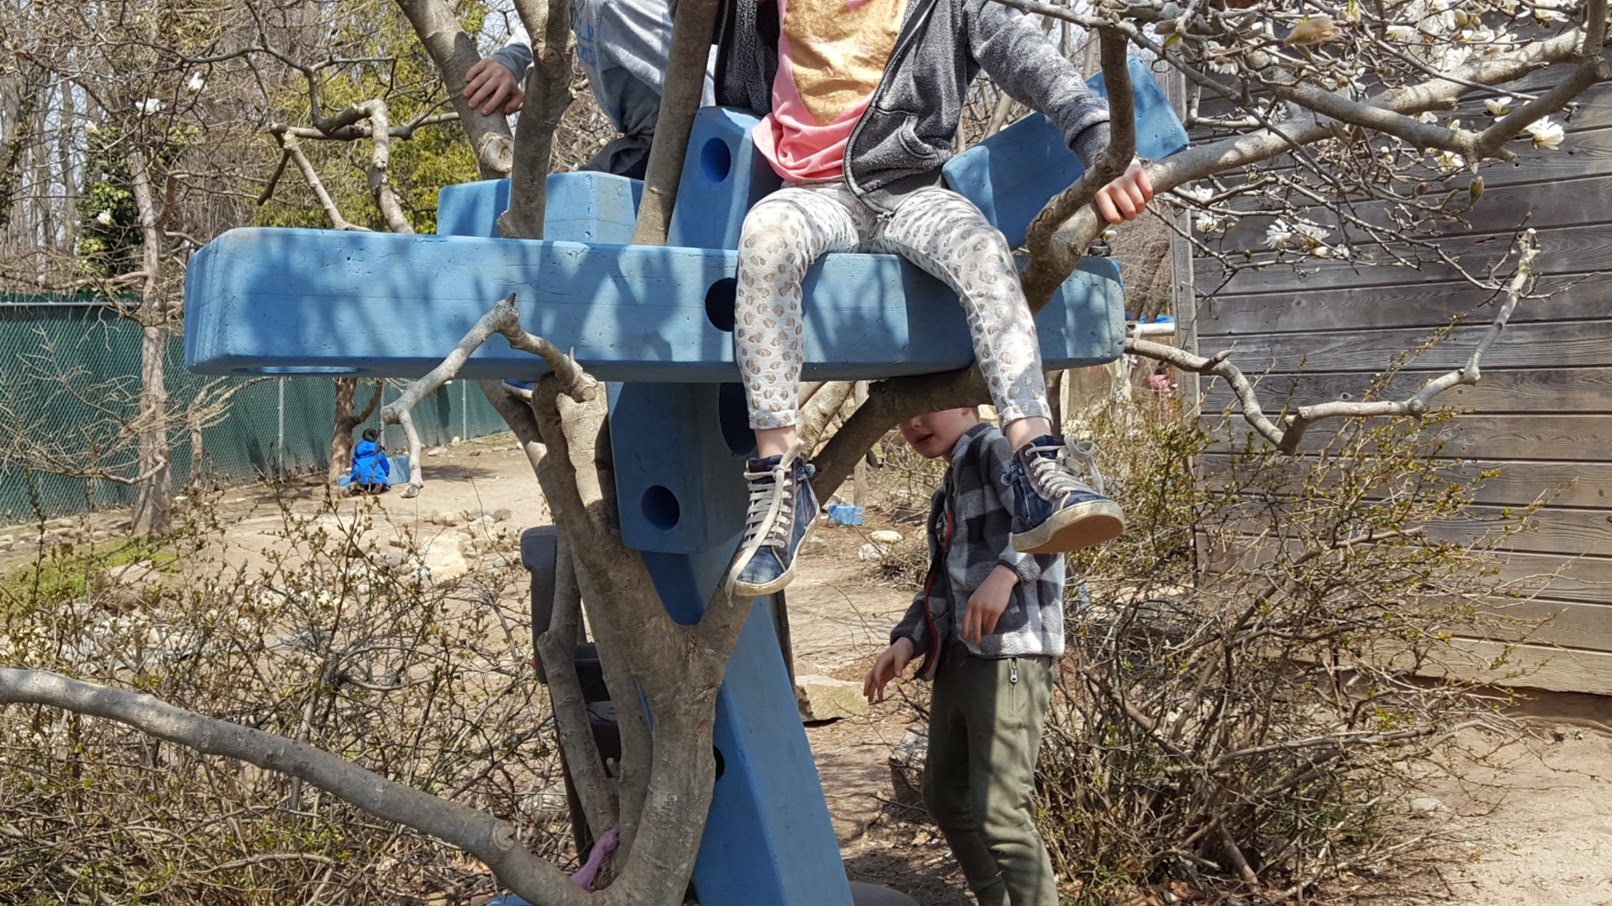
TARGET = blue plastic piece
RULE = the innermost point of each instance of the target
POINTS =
(844, 514)
(277, 301)
(723, 177)
(581, 207)
(1012, 174)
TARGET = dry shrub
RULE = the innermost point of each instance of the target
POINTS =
(340, 640)
(1244, 695)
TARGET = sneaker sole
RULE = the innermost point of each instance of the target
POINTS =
(1080, 526)
(746, 590)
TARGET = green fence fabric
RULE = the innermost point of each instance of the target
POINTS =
(69, 382)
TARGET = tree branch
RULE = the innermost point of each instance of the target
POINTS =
(548, 94)
(1286, 436)
(454, 52)
(692, 27)
(489, 839)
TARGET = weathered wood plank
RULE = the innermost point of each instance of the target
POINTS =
(1561, 438)
(1581, 580)
(1563, 250)
(1549, 344)
(1559, 531)
(1528, 391)
(1557, 203)
(1416, 304)
(1566, 484)
(1536, 667)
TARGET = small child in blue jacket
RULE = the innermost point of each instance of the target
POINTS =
(370, 467)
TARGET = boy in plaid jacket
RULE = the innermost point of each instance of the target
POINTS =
(989, 624)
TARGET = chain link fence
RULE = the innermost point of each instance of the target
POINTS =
(69, 404)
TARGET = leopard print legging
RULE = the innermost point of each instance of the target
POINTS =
(937, 229)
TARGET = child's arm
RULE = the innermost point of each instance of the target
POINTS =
(1023, 63)
(909, 639)
(986, 604)
(889, 666)
(494, 83)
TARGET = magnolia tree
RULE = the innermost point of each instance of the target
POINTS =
(1313, 107)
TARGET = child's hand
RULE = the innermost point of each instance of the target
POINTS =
(886, 668)
(1124, 198)
(492, 87)
(986, 604)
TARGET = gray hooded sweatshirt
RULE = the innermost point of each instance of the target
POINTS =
(901, 141)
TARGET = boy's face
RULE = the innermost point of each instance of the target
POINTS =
(935, 433)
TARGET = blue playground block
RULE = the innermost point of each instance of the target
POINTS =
(657, 322)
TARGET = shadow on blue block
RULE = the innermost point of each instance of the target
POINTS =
(322, 302)
(581, 207)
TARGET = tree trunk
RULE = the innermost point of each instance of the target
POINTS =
(153, 485)
(341, 434)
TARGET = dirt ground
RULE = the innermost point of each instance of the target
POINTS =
(1532, 827)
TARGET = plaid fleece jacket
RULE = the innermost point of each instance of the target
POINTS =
(970, 530)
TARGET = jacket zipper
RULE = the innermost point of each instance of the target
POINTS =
(935, 642)
(915, 25)
(1013, 671)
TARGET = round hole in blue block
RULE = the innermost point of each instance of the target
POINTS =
(720, 301)
(733, 415)
(660, 507)
(716, 160)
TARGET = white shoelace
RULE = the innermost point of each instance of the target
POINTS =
(1060, 474)
(771, 503)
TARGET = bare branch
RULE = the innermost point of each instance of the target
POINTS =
(692, 26)
(487, 838)
(454, 52)
(548, 95)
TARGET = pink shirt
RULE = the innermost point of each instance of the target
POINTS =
(831, 55)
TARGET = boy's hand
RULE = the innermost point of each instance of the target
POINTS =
(1124, 198)
(986, 604)
(491, 87)
(889, 666)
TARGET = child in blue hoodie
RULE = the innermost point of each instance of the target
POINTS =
(370, 468)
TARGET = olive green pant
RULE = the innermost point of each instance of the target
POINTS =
(985, 722)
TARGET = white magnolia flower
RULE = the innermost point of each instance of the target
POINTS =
(1547, 15)
(92, 129)
(1427, 116)
(104, 218)
(1312, 233)
(1499, 106)
(1200, 194)
(1217, 60)
(1502, 41)
(1449, 56)
(1206, 222)
(149, 107)
(1278, 234)
(1401, 33)
(1448, 161)
(196, 82)
(1342, 252)
(1546, 134)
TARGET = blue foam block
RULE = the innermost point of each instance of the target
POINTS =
(1013, 174)
(723, 176)
(687, 496)
(279, 301)
(581, 207)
